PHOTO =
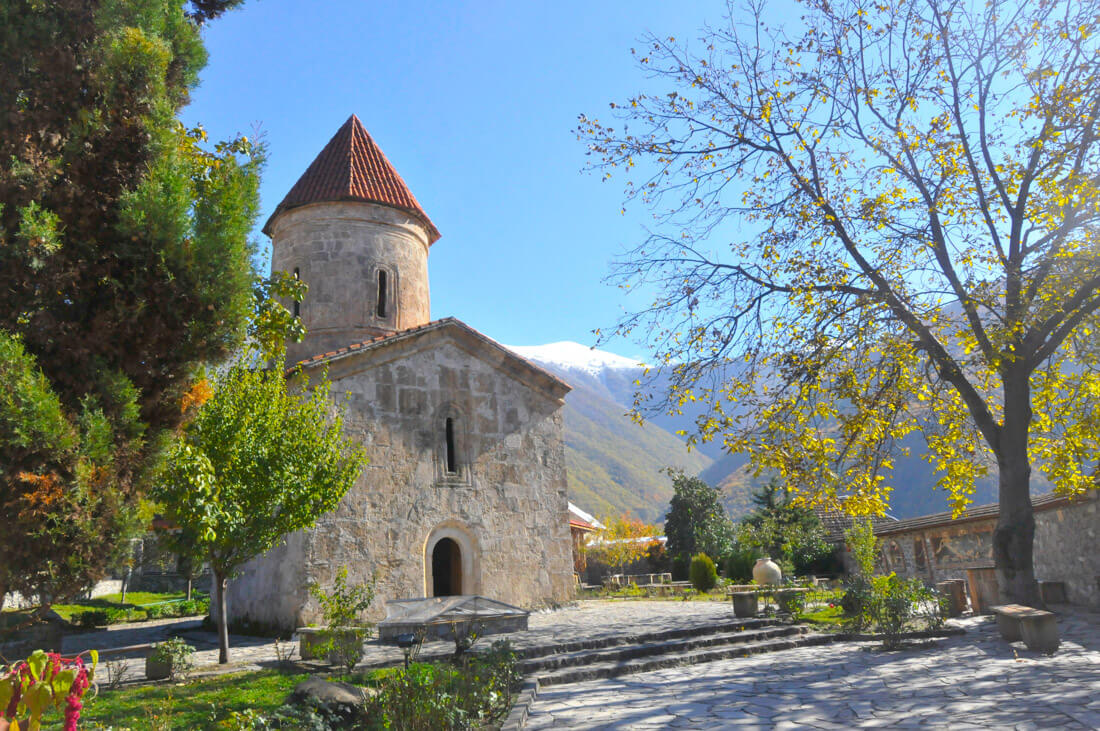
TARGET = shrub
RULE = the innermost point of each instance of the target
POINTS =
(90, 618)
(704, 576)
(160, 611)
(680, 564)
(447, 696)
(897, 602)
(739, 565)
(31, 687)
(342, 640)
(857, 601)
(124, 614)
(176, 654)
(192, 607)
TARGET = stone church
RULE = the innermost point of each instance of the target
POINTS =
(465, 492)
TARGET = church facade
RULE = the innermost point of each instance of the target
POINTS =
(465, 492)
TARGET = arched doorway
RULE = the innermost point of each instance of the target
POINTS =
(446, 568)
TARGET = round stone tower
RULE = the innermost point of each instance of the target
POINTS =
(353, 232)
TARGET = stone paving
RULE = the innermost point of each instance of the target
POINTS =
(972, 681)
(583, 620)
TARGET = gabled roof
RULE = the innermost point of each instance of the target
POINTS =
(580, 519)
(352, 167)
(519, 367)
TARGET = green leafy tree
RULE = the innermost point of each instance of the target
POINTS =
(696, 521)
(264, 456)
(124, 264)
(876, 220)
(789, 532)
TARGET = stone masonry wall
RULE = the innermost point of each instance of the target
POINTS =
(338, 249)
(505, 506)
(1067, 548)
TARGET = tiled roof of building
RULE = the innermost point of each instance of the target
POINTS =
(582, 520)
(352, 167)
(382, 341)
(837, 523)
(1046, 501)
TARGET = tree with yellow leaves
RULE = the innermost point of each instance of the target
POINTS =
(876, 219)
(623, 540)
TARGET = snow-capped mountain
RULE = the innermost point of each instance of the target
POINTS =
(570, 356)
(614, 465)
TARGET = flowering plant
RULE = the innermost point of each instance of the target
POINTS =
(30, 687)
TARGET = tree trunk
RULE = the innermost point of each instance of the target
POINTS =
(220, 583)
(1014, 536)
(189, 582)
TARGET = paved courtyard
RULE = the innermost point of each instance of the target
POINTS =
(583, 620)
(972, 681)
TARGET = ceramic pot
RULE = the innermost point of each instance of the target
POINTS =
(766, 572)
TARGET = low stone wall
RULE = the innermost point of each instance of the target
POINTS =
(1067, 537)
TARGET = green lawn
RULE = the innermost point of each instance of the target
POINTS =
(197, 704)
(833, 616)
(134, 600)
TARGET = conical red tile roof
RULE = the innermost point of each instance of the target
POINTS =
(353, 168)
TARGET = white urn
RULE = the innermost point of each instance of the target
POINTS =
(766, 572)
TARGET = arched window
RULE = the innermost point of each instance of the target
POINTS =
(382, 285)
(297, 307)
(451, 457)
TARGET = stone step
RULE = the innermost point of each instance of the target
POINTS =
(612, 669)
(664, 647)
(560, 648)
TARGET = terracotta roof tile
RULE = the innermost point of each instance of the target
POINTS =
(352, 167)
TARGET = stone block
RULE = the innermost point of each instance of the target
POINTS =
(745, 603)
(1040, 633)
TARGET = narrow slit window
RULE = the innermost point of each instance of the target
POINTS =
(449, 427)
(382, 294)
(297, 308)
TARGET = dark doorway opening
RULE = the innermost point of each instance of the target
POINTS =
(446, 568)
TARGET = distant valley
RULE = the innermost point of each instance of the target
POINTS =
(616, 465)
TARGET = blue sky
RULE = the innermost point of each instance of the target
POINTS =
(475, 104)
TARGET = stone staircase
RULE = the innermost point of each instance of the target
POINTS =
(573, 662)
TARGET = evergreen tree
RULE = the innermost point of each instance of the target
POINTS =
(124, 264)
(790, 533)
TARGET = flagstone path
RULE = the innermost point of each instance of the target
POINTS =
(972, 681)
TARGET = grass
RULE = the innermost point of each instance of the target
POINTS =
(134, 600)
(829, 616)
(196, 704)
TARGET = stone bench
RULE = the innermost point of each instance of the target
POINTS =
(747, 603)
(1036, 627)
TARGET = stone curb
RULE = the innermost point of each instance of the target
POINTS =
(919, 635)
(521, 709)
